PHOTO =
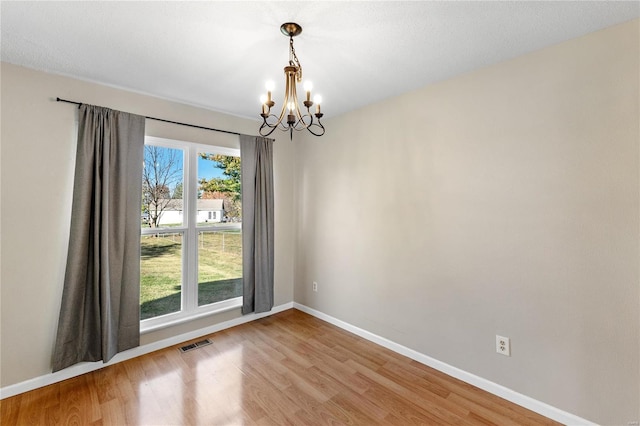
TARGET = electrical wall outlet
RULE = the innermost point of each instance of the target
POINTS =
(315, 286)
(503, 345)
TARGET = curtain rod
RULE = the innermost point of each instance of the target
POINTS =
(166, 121)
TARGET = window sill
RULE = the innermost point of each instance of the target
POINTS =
(154, 324)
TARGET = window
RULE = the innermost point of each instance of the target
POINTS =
(191, 256)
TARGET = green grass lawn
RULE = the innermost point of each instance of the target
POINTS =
(219, 270)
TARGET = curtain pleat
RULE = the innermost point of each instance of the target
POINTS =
(100, 310)
(257, 223)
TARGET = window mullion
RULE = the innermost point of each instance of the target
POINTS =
(191, 247)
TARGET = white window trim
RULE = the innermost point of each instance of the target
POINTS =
(165, 321)
(189, 230)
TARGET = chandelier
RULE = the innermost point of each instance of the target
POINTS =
(291, 117)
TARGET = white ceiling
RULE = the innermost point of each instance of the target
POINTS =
(218, 55)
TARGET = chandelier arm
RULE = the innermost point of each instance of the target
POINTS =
(266, 125)
(313, 124)
(262, 133)
(276, 125)
(317, 125)
(282, 127)
(279, 118)
(298, 112)
(302, 124)
(311, 128)
(302, 121)
(311, 116)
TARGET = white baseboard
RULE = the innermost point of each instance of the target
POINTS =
(86, 367)
(484, 384)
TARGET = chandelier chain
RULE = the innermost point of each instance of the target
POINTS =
(293, 60)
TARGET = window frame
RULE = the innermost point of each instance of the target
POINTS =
(189, 309)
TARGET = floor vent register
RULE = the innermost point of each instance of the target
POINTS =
(195, 345)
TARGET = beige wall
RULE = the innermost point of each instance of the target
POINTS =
(504, 201)
(38, 154)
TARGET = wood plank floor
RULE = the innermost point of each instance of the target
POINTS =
(287, 369)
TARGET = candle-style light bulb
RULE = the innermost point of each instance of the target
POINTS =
(317, 99)
(263, 101)
(307, 88)
(270, 87)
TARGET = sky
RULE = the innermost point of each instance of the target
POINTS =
(207, 169)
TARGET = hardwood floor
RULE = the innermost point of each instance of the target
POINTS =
(287, 369)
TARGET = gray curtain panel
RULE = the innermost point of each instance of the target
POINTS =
(100, 311)
(257, 223)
